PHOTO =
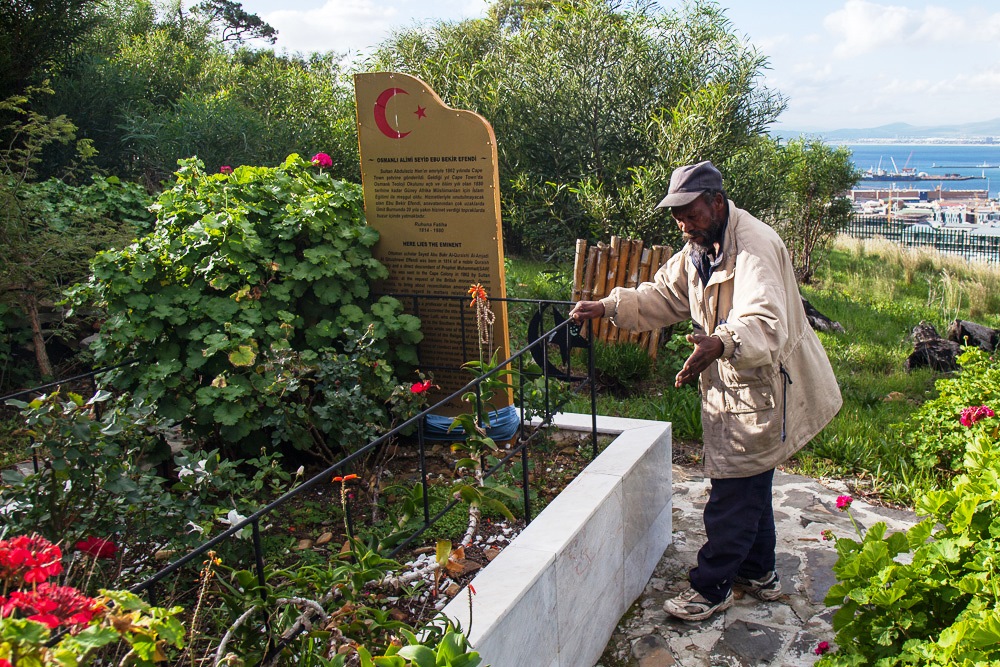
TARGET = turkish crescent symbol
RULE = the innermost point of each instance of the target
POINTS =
(380, 120)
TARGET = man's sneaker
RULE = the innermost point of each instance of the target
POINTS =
(691, 606)
(767, 588)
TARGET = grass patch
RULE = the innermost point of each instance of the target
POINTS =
(879, 292)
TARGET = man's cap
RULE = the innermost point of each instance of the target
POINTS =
(689, 181)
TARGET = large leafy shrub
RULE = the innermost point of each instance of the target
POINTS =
(934, 434)
(247, 282)
(928, 596)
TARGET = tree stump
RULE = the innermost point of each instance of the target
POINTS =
(930, 350)
(818, 320)
(968, 333)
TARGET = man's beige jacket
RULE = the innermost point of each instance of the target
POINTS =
(773, 389)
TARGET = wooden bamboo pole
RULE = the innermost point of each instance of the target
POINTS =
(605, 326)
(618, 277)
(644, 274)
(635, 257)
(600, 281)
(578, 261)
(587, 290)
(661, 253)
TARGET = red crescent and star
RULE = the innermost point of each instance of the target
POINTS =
(382, 122)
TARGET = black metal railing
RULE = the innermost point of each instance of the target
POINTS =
(960, 242)
(528, 431)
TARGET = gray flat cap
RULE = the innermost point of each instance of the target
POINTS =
(689, 181)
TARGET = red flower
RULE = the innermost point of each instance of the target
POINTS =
(4, 663)
(420, 387)
(97, 547)
(225, 169)
(843, 502)
(54, 605)
(322, 160)
(972, 414)
(822, 648)
(31, 558)
(50, 620)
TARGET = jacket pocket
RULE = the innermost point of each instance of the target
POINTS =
(751, 403)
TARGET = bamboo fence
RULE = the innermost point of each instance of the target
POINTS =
(600, 268)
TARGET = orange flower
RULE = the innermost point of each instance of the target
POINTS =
(348, 478)
(478, 293)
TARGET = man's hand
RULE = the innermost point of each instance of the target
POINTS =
(706, 350)
(586, 310)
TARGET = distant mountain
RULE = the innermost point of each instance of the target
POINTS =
(987, 131)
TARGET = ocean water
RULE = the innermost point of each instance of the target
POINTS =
(967, 160)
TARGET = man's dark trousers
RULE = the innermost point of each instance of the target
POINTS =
(739, 524)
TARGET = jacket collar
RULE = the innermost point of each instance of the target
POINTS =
(727, 269)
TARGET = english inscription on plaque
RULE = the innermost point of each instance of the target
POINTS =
(432, 190)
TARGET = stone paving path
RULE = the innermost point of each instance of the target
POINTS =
(782, 633)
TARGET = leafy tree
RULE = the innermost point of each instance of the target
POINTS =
(35, 36)
(149, 88)
(815, 207)
(235, 24)
(49, 230)
(593, 102)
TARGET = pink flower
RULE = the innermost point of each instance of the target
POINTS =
(225, 169)
(828, 535)
(97, 547)
(972, 414)
(420, 387)
(322, 160)
(843, 502)
(822, 648)
(4, 663)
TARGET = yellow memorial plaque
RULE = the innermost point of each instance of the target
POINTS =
(432, 190)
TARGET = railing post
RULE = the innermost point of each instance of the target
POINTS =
(593, 390)
(422, 452)
(525, 488)
(258, 554)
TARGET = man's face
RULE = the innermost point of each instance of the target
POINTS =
(700, 222)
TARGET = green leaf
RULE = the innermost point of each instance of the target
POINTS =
(419, 655)
(229, 414)
(244, 355)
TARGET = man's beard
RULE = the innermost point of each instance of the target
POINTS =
(706, 243)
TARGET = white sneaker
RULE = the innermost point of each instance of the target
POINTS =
(692, 606)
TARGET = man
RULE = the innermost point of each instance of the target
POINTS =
(766, 384)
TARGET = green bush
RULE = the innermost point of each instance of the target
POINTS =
(95, 480)
(248, 281)
(622, 366)
(928, 596)
(934, 434)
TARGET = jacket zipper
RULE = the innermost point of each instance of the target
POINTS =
(786, 380)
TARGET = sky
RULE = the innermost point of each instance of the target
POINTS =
(839, 63)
